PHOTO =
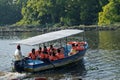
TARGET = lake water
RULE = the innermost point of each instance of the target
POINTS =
(101, 62)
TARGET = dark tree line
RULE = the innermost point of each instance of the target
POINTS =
(65, 12)
(68, 12)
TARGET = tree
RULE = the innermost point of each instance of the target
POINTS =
(34, 12)
(69, 12)
(110, 13)
(89, 11)
(9, 13)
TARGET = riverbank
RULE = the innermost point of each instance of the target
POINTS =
(47, 29)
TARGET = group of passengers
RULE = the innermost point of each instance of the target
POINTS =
(76, 46)
(50, 53)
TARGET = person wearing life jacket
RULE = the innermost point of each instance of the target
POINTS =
(79, 47)
(51, 49)
(45, 52)
(39, 53)
(73, 50)
(59, 54)
(82, 43)
(52, 55)
(72, 42)
(32, 55)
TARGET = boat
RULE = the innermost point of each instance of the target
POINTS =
(29, 65)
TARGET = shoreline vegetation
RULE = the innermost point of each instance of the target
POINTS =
(47, 29)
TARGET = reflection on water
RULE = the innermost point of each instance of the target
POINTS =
(109, 40)
(101, 61)
(18, 35)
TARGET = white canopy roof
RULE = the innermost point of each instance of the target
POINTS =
(48, 37)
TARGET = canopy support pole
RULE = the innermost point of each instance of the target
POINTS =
(66, 46)
(84, 34)
(60, 43)
(39, 45)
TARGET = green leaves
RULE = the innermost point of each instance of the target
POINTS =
(110, 14)
(67, 12)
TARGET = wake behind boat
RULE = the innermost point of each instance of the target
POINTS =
(30, 65)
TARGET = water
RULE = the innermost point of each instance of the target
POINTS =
(101, 62)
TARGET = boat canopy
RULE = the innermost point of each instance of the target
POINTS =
(48, 37)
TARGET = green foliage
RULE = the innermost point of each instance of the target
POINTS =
(103, 3)
(68, 12)
(10, 11)
(34, 11)
(89, 11)
(109, 40)
(110, 14)
(62, 12)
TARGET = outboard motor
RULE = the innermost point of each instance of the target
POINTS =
(19, 66)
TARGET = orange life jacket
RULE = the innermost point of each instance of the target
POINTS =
(81, 43)
(60, 55)
(37, 53)
(32, 56)
(72, 42)
(40, 54)
(52, 58)
(50, 50)
(46, 56)
(79, 48)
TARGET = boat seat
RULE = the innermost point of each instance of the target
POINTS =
(34, 62)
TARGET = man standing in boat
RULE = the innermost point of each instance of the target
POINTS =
(18, 54)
